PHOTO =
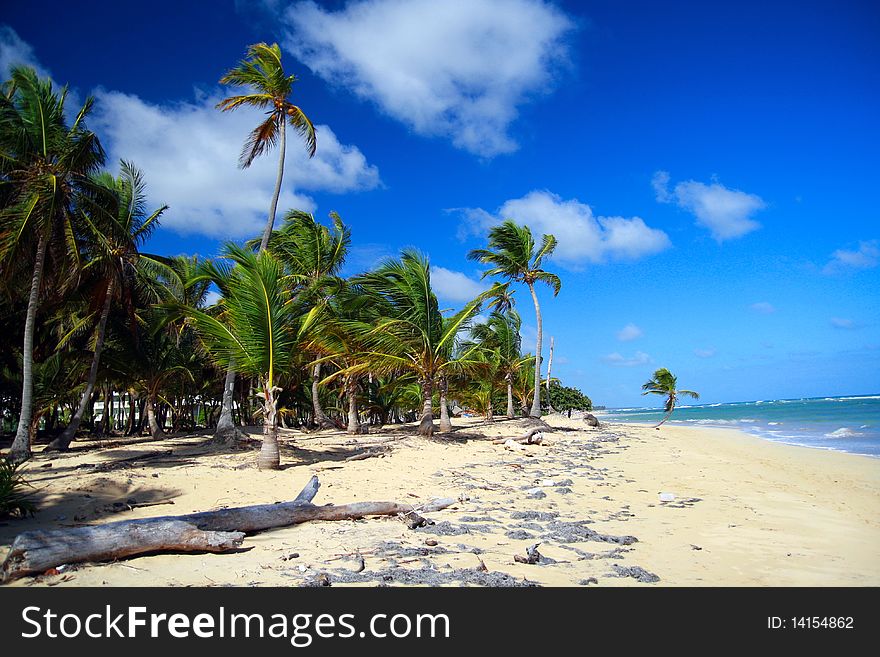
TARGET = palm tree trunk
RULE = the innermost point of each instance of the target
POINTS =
(21, 446)
(271, 221)
(269, 457)
(321, 418)
(666, 417)
(351, 391)
(509, 398)
(226, 431)
(426, 425)
(445, 422)
(536, 400)
(155, 429)
(63, 441)
(549, 367)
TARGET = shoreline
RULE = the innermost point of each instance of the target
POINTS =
(710, 426)
(747, 512)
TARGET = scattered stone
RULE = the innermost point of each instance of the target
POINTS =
(578, 532)
(588, 581)
(636, 572)
(431, 542)
(288, 557)
(538, 494)
(565, 490)
(519, 535)
(591, 420)
(534, 515)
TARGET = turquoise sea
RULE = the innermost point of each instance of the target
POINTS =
(846, 424)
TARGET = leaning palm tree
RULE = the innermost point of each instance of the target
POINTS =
(664, 382)
(258, 331)
(513, 255)
(262, 72)
(115, 215)
(44, 164)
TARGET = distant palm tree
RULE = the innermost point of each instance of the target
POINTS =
(501, 333)
(43, 166)
(410, 334)
(664, 382)
(513, 255)
(264, 74)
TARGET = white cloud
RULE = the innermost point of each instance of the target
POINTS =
(866, 256)
(763, 307)
(727, 213)
(457, 69)
(639, 358)
(452, 285)
(582, 236)
(629, 332)
(704, 353)
(212, 297)
(841, 323)
(15, 52)
(189, 151)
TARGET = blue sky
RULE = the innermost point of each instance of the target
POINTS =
(709, 168)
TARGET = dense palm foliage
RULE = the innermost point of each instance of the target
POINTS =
(102, 338)
(514, 255)
(665, 383)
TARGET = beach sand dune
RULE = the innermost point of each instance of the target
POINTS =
(745, 511)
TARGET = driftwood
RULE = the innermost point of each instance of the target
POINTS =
(221, 530)
(378, 451)
(531, 438)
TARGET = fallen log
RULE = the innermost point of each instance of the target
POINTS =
(530, 438)
(221, 530)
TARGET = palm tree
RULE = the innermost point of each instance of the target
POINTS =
(44, 162)
(664, 382)
(116, 217)
(260, 327)
(312, 255)
(270, 86)
(410, 334)
(513, 255)
(501, 333)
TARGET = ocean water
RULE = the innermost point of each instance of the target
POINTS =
(846, 424)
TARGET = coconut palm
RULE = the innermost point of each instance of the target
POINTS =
(118, 223)
(513, 255)
(312, 255)
(262, 72)
(410, 334)
(258, 331)
(45, 162)
(501, 333)
(664, 382)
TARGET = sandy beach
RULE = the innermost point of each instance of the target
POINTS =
(746, 511)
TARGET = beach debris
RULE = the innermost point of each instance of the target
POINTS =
(370, 453)
(548, 483)
(667, 497)
(636, 572)
(220, 530)
(535, 436)
(591, 420)
(288, 557)
(532, 555)
(513, 446)
(321, 579)
(413, 520)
